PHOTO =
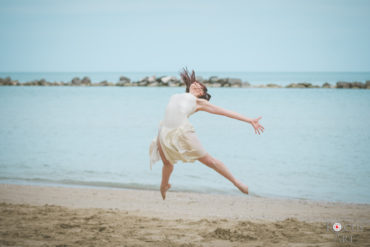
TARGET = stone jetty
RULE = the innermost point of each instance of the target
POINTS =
(172, 81)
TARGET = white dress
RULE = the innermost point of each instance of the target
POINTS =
(176, 134)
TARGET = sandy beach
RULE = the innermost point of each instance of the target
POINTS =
(70, 216)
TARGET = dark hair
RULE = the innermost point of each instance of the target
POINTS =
(190, 79)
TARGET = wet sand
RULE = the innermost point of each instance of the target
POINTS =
(69, 216)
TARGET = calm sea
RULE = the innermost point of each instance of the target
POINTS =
(315, 145)
(280, 78)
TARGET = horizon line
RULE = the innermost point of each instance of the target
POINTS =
(312, 71)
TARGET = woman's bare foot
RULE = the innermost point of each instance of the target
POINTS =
(242, 187)
(164, 190)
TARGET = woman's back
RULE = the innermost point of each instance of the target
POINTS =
(179, 108)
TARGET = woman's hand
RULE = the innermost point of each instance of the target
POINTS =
(257, 126)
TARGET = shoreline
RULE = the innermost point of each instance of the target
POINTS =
(147, 202)
(38, 215)
(152, 189)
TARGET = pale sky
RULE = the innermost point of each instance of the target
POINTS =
(144, 35)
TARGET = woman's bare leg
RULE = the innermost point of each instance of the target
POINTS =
(166, 172)
(220, 167)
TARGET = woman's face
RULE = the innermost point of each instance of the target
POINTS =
(196, 89)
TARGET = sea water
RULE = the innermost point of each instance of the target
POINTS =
(315, 144)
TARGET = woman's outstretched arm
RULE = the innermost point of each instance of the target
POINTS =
(204, 105)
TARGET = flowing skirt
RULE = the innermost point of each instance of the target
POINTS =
(179, 143)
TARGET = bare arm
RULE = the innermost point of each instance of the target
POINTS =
(204, 105)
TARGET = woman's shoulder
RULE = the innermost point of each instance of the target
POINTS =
(200, 100)
(184, 95)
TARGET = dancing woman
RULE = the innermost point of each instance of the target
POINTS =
(177, 140)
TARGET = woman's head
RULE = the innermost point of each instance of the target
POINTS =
(193, 86)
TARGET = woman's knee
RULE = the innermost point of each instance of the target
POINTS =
(208, 160)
